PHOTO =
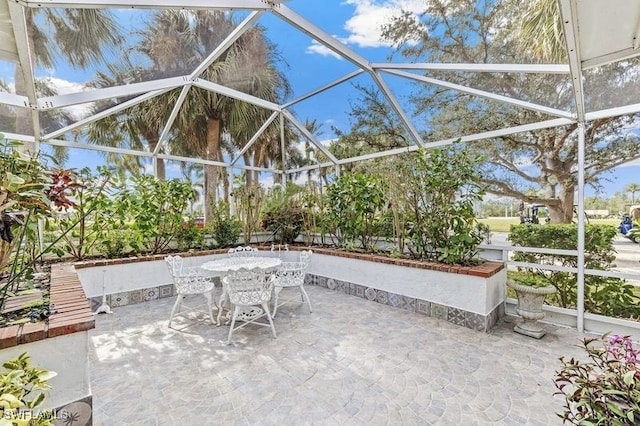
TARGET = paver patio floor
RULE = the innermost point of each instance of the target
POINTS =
(350, 362)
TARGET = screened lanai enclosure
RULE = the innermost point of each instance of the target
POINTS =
(269, 91)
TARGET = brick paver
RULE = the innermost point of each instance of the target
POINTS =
(349, 362)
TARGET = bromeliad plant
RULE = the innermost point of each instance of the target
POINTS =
(605, 390)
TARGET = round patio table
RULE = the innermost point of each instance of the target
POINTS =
(227, 264)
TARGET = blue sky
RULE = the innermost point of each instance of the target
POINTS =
(355, 22)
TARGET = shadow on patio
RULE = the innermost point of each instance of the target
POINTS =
(349, 362)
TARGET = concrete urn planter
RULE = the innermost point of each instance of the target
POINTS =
(530, 301)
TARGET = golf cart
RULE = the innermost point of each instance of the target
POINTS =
(530, 213)
(626, 227)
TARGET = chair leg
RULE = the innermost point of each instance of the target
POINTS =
(265, 306)
(176, 307)
(221, 303)
(233, 322)
(305, 296)
(276, 293)
(210, 306)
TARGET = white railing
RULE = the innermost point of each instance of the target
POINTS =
(563, 316)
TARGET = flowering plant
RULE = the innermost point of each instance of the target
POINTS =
(606, 388)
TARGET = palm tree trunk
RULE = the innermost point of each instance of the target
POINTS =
(211, 172)
(248, 175)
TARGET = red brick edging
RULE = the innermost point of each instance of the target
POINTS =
(484, 270)
(73, 313)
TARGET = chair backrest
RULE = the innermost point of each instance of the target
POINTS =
(305, 258)
(248, 286)
(246, 251)
(175, 265)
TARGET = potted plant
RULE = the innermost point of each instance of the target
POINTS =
(531, 290)
(606, 388)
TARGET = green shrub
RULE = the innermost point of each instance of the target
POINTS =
(189, 236)
(282, 215)
(22, 389)
(225, 229)
(354, 203)
(603, 295)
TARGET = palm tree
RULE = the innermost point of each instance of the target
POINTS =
(540, 31)
(248, 66)
(632, 188)
(62, 33)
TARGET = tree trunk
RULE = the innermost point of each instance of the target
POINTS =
(161, 170)
(24, 124)
(211, 172)
(562, 212)
(248, 174)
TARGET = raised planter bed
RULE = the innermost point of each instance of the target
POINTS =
(472, 297)
(59, 344)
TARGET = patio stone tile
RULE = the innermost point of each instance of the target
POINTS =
(349, 362)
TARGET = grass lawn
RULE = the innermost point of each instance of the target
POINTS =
(502, 224)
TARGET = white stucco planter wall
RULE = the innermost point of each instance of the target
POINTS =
(68, 356)
(470, 293)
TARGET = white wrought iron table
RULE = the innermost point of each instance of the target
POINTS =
(227, 264)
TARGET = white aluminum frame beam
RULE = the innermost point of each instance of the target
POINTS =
(612, 112)
(235, 94)
(469, 138)
(484, 94)
(309, 136)
(324, 88)
(105, 113)
(620, 55)
(93, 147)
(215, 54)
(255, 137)
(14, 100)
(126, 90)
(397, 108)
(226, 43)
(162, 140)
(568, 12)
(502, 68)
(19, 24)
(321, 36)
(150, 4)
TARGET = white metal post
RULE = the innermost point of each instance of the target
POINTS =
(581, 223)
(282, 152)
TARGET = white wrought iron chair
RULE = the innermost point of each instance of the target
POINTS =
(289, 275)
(246, 251)
(188, 281)
(248, 291)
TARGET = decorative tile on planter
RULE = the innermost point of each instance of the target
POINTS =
(165, 291)
(423, 307)
(402, 302)
(456, 316)
(331, 284)
(370, 293)
(352, 289)
(382, 297)
(475, 321)
(150, 294)
(359, 290)
(78, 413)
(321, 281)
(135, 296)
(343, 286)
(119, 299)
(439, 311)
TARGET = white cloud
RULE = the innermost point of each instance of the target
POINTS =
(365, 26)
(317, 48)
(63, 87)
